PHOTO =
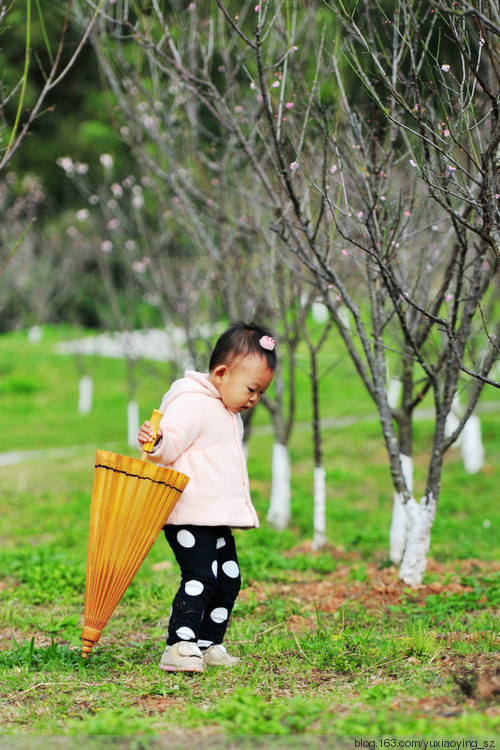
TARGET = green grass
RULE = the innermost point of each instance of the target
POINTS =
(331, 642)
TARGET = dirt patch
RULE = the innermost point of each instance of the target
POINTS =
(372, 586)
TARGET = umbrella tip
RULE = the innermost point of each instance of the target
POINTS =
(86, 647)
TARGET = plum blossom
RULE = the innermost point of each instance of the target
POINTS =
(275, 84)
(445, 67)
(413, 163)
(333, 169)
(106, 246)
(82, 214)
(106, 160)
(294, 166)
(289, 105)
(448, 297)
(81, 167)
(66, 163)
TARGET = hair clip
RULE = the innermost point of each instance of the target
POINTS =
(268, 343)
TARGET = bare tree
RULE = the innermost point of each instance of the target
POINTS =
(12, 134)
(374, 150)
(205, 189)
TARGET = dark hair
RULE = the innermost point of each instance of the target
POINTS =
(240, 340)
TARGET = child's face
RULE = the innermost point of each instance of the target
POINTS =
(242, 383)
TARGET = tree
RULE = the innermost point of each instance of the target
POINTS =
(377, 159)
(21, 104)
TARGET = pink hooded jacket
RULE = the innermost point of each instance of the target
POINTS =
(203, 439)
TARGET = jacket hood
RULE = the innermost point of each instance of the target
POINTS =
(192, 382)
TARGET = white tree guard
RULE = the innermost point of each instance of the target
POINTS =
(472, 445)
(278, 515)
(86, 390)
(394, 392)
(132, 423)
(319, 537)
(345, 319)
(400, 518)
(414, 560)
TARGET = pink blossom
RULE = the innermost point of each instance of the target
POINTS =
(294, 166)
(448, 297)
(289, 105)
(275, 84)
(445, 67)
(345, 252)
(360, 214)
(257, 8)
(333, 169)
(413, 163)
(406, 213)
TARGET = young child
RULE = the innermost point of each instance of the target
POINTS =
(200, 435)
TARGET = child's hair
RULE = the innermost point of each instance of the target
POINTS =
(241, 340)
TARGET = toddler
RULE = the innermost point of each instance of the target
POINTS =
(200, 435)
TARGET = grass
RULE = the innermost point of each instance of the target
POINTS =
(331, 642)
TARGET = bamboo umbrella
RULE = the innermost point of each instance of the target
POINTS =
(131, 501)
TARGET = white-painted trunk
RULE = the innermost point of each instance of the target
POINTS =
(85, 394)
(472, 445)
(319, 312)
(400, 519)
(414, 560)
(132, 423)
(319, 537)
(279, 509)
(453, 419)
(35, 334)
(343, 314)
(394, 392)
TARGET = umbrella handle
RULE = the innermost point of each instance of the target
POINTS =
(155, 422)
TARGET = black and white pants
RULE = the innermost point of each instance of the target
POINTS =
(210, 583)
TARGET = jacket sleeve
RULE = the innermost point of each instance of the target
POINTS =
(180, 426)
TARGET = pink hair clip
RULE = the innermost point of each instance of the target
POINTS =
(268, 343)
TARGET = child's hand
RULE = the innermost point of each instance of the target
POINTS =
(146, 434)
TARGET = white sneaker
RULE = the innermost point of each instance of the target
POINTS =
(184, 656)
(217, 656)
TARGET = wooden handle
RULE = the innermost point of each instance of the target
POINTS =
(155, 421)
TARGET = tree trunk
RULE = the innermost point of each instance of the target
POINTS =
(278, 515)
(400, 524)
(319, 537)
(419, 537)
(472, 446)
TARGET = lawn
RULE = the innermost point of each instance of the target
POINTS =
(331, 642)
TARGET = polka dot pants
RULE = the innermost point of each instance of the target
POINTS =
(210, 583)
